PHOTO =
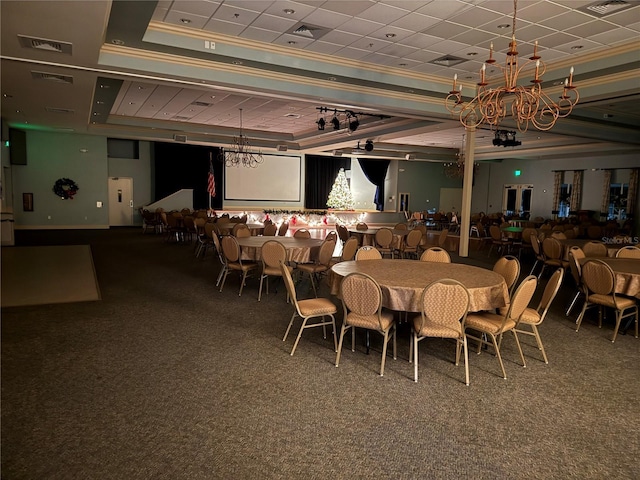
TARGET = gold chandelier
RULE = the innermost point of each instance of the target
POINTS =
(240, 153)
(456, 169)
(526, 104)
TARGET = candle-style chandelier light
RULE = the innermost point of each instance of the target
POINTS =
(527, 104)
(456, 169)
(240, 153)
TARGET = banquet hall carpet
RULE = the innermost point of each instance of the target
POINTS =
(169, 378)
(41, 275)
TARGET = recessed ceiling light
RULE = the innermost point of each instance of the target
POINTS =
(131, 103)
(402, 64)
(292, 42)
(472, 54)
(390, 35)
(6, 95)
(503, 25)
(95, 114)
(99, 102)
(116, 41)
(576, 47)
(104, 86)
(332, 79)
(289, 11)
(237, 62)
(185, 20)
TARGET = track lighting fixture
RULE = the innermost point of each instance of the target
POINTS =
(353, 123)
(368, 146)
(505, 138)
(335, 122)
(321, 123)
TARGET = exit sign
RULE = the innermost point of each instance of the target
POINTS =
(517, 173)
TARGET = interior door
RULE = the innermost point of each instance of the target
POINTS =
(516, 200)
(120, 201)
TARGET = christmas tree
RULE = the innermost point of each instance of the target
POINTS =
(340, 197)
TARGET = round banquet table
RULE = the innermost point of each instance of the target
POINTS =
(402, 282)
(627, 272)
(227, 227)
(299, 250)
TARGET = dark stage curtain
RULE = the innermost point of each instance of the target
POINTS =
(178, 166)
(321, 173)
(376, 172)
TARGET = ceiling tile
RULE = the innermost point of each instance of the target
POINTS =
(326, 48)
(626, 17)
(352, 8)
(445, 30)
(443, 8)
(253, 5)
(370, 44)
(447, 46)
(340, 37)
(397, 50)
(531, 33)
(475, 37)
(201, 8)
(590, 28)
(567, 20)
(234, 14)
(474, 17)
(259, 34)
(586, 46)
(557, 40)
(613, 37)
(177, 19)
(540, 12)
(300, 10)
(382, 13)
(352, 53)
(327, 19)
(397, 34)
(415, 22)
(225, 28)
(273, 23)
(421, 40)
(360, 26)
(294, 41)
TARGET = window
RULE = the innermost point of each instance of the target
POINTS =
(618, 201)
(565, 200)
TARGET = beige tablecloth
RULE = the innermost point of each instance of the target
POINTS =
(227, 227)
(627, 272)
(402, 281)
(299, 250)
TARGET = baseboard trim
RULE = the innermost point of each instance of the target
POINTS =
(61, 227)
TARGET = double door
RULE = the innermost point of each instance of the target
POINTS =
(516, 200)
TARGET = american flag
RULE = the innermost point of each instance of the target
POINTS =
(211, 181)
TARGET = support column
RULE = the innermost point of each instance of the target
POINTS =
(467, 190)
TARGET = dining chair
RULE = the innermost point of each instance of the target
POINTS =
(383, 239)
(494, 325)
(362, 308)
(537, 250)
(497, 240)
(410, 244)
(509, 267)
(533, 318)
(302, 233)
(435, 254)
(595, 249)
(343, 233)
(400, 226)
(599, 282)
(272, 252)
(443, 309)
(333, 236)
(575, 255)
(629, 251)
(282, 230)
(215, 240)
(313, 308)
(349, 250)
(270, 230)
(320, 266)
(361, 226)
(559, 235)
(231, 251)
(553, 253)
(202, 241)
(240, 230)
(368, 252)
(442, 238)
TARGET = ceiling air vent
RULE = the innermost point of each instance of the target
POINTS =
(201, 104)
(180, 138)
(602, 9)
(52, 77)
(448, 61)
(306, 30)
(292, 115)
(181, 117)
(45, 45)
(59, 110)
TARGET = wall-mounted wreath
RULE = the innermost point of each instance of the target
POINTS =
(65, 188)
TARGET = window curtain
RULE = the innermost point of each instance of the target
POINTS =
(320, 174)
(606, 187)
(632, 193)
(557, 185)
(376, 172)
(576, 191)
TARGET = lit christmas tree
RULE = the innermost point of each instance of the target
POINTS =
(341, 197)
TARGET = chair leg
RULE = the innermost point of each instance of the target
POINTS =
(342, 330)
(535, 332)
(534, 267)
(260, 290)
(289, 327)
(415, 358)
(573, 302)
(224, 278)
(466, 359)
(384, 352)
(244, 277)
(497, 349)
(515, 335)
(302, 327)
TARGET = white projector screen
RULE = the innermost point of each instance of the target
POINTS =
(277, 179)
